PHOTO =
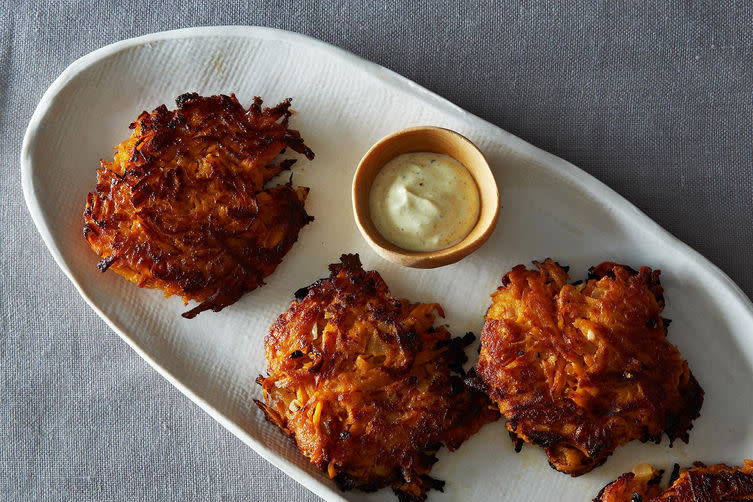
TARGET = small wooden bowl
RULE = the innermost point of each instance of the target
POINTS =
(426, 139)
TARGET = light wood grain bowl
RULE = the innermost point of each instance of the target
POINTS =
(426, 139)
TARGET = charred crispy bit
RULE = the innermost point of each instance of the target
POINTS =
(366, 386)
(582, 369)
(700, 483)
(183, 206)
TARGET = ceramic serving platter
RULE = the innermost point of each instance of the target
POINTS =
(343, 105)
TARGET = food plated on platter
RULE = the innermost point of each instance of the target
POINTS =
(184, 207)
(365, 385)
(712, 483)
(551, 209)
(580, 369)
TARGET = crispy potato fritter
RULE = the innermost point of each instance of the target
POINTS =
(580, 369)
(366, 386)
(716, 483)
(183, 207)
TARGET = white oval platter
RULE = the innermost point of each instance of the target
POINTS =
(344, 104)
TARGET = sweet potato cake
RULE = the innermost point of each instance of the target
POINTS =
(700, 483)
(580, 369)
(366, 386)
(183, 205)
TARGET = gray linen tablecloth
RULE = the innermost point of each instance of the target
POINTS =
(656, 102)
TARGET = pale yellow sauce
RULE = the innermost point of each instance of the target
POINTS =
(424, 201)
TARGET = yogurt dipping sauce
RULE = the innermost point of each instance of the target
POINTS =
(424, 201)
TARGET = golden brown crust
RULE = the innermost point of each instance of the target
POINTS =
(366, 386)
(643, 482)
(581, 369)
(716, 483)
(182, 207)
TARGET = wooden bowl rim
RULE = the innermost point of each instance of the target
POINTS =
(425, 259)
